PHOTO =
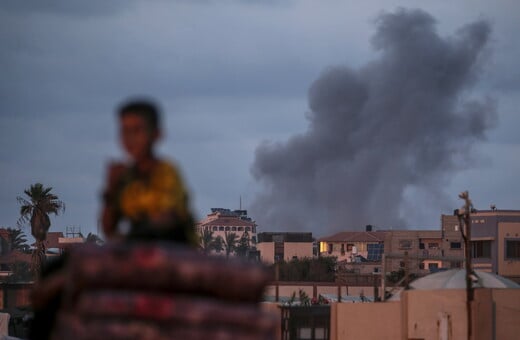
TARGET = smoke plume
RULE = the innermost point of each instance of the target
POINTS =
(402, 121)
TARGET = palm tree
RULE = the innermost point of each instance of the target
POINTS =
(218, 244)
(206, 241)
(242, 246)
(36, 209)
(230, 241)
(17, 240)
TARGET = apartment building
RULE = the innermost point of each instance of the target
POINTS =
(354, 246)
(278, 246)
(495, 240)
(421, 251)
(222, 220)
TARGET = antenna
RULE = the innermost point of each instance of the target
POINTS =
(240, 204)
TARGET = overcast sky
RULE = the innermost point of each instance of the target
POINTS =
(231, 76)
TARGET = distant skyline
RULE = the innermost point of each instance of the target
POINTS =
(231, 76)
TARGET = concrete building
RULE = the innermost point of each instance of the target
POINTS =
(274, 246)
(221, 221)
(495, 240)
(416, 251)
(423, 251)
(353, 246)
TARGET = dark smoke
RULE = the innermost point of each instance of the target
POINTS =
(403, 121)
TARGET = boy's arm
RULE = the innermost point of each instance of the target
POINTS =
(110, 214)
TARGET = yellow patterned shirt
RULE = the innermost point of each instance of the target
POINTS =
(143, 199)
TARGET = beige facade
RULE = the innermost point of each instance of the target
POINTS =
(348, 246)
(430, 315)
(509, 259)
(221, 221)
(422, 251)
(266, 252)
(495, 241)
(284, 246)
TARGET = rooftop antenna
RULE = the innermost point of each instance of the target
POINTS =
(240, 202)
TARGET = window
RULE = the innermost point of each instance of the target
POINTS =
(233, 228)
(215, 228)
(433, 245)
(481, 249)
(350, 246)
(405, 244)
(240, 229)
(220, 228)
(513, 249)
(455, 245)
(421, 245)
(342, 249)
(330, 248)
(248, 228)
(433, 265)
(227, 228)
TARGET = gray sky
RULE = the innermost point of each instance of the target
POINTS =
(230, 75)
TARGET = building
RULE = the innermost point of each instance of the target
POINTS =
(354, 246)
(414, 251)
(284, 246)
(221, 221)
(422, 251)
(495, 240)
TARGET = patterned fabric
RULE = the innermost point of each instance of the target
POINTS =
(146, 200)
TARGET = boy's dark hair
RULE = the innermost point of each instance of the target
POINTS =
(143, 108)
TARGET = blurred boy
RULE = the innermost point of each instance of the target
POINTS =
(147, 192)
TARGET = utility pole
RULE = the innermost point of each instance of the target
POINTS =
(464, 215)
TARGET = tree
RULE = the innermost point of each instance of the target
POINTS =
(218, 244)
(36, 210)
(206, 241)
(17, 240)
(242, 246)
(230, 241)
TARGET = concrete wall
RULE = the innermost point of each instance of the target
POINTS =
(511, 231)
(367, 321)
(299, 249)
(507, 313)
(266, 252)
(429, 315)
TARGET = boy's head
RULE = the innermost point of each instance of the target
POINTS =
(139, 128)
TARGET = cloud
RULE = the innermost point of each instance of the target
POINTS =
(404, 120)
(64, 7)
